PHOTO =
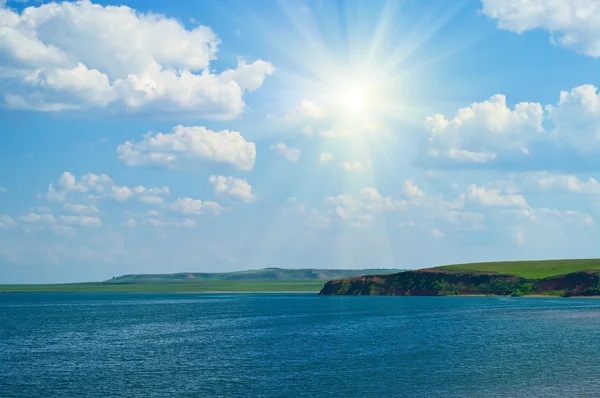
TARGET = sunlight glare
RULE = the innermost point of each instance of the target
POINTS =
(354, 99)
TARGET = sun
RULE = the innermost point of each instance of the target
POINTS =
(354, 99)
(357, 98)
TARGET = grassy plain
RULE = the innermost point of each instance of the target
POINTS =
(529, 269)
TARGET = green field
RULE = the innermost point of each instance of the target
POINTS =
(529, 269)
(174, 287)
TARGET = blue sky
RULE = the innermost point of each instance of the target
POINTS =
(223, 135)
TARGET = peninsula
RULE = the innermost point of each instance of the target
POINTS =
(564, 278)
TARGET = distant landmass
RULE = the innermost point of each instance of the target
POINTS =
(260, 280)
(265, 274)
(565, 278)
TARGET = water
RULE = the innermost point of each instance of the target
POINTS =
(296, 345)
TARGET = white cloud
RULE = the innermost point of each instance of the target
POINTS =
(310, 109)
(437, 233)
(338, 133)
(318, 220)
(74, 54)
(573, 216)
(98, 187)
(412, 190)
(41, 209)
(477, 132)
(547, 182)
(290, 153)
(195, 206)
(186, 145)
(576, 118)
(306, 109)
(356, 166)
(63, 230)
(83, 221)
(325, 157)
(574, 24)
(307, 130)
(158, 223)
(407, 224)
(235, 188)
(561, 183)
(35, 218)
(81, 209)
(7, 221)
(149, 196)
(357, 209)
(131, 223)
(464, 156)
(491, 197)
(68, 183)
(2, 190)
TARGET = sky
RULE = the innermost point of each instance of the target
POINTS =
(223, 135)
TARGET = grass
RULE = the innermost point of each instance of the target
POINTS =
(529, 269)
(173, 287)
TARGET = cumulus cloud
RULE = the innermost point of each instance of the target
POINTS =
(188, 145)
(235, 188)
(171, 223)
(489, 130)
(576, 118)
(290, 153)
(68, 183)
(565, 183)
(325, 157)
(7, 221)
(310, 109)
(46, 218)
(66, 55)
(307, 130)
(573, 24)
(357, 210)
(412, 190)
(306, 109)
(477, 132)
(81, 209)
(195, 206)
(35, 218)
(492, 197)
(81, 220)
(437, 233)
(356, 166)
(98, 187)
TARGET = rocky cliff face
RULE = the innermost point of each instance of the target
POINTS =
(435, 282)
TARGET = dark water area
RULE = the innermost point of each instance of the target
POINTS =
(296, 345)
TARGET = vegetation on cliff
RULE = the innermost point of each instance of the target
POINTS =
(445, 281)
(528, 269)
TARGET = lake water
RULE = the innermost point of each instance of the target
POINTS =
(296, 345)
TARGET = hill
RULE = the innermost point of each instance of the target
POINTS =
(265, 274)
(528, 269)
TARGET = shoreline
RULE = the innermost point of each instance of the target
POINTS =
(301, 292)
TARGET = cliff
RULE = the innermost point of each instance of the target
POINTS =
(438, 282)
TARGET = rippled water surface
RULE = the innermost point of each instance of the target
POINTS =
(296, 345)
